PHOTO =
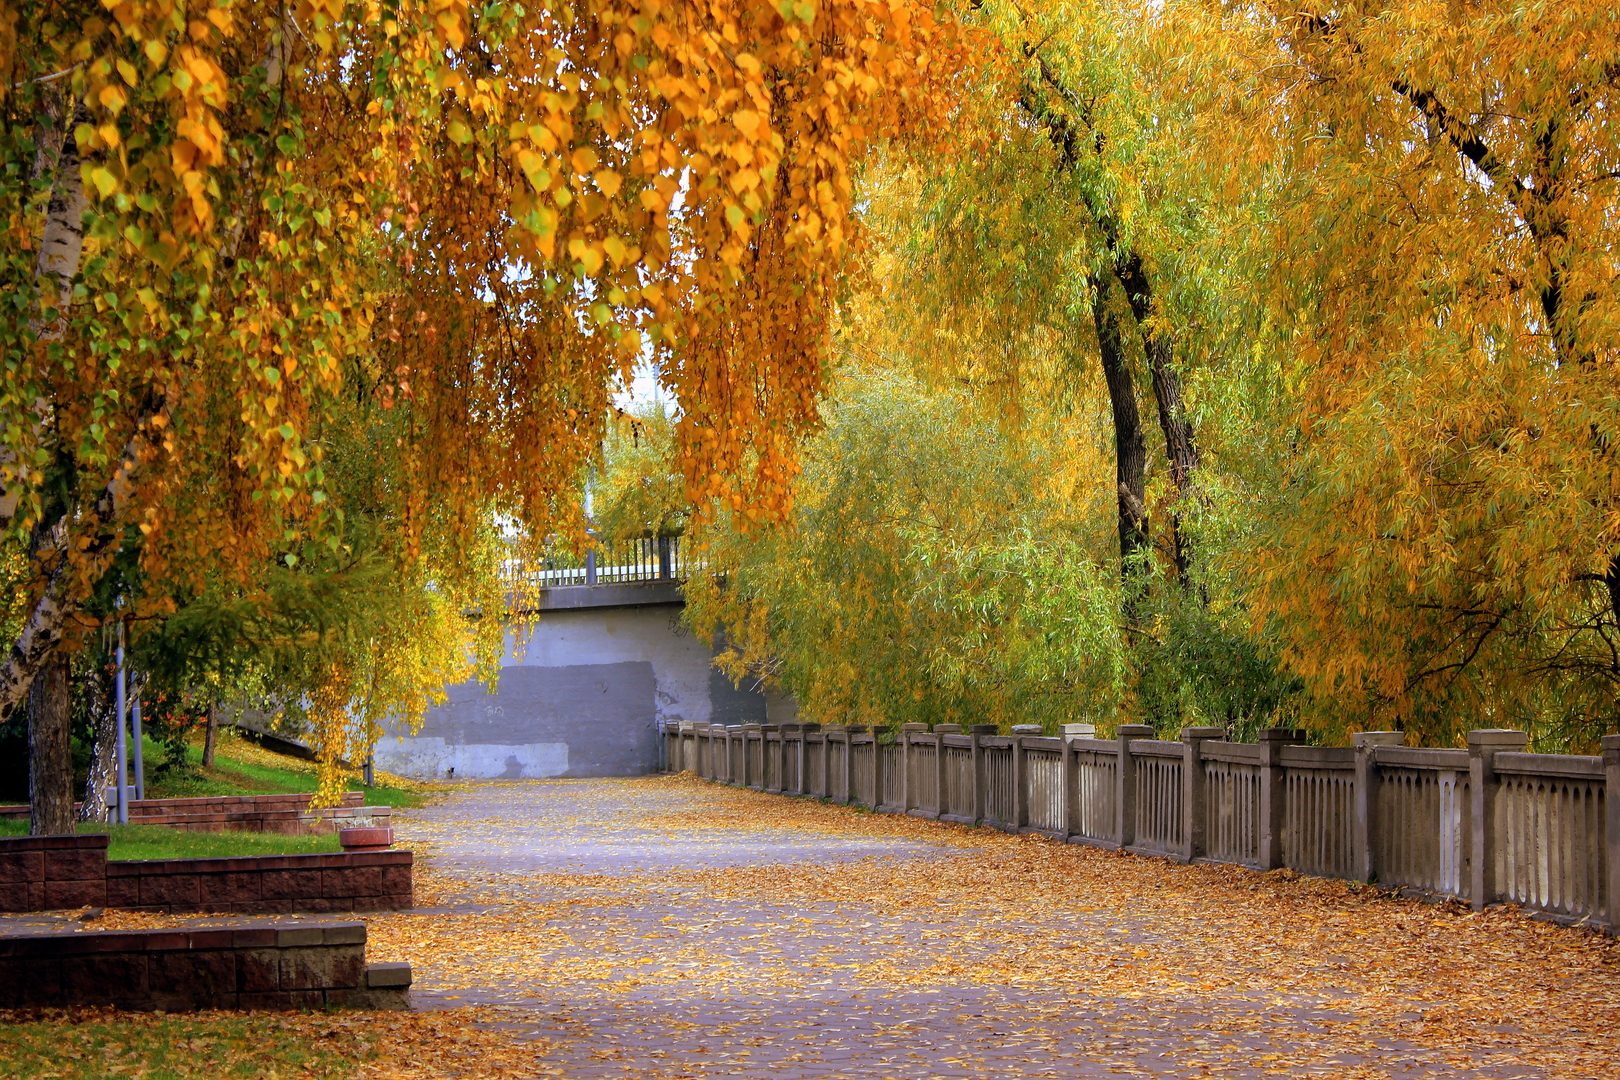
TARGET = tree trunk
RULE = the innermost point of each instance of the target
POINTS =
(209, 732)
(102, 708)
(1179, 449)
(1130, 445)
(50, 755)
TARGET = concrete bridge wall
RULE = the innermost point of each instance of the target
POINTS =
(582, 696)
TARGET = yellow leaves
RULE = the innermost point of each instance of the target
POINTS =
(607, 182)
(584, 159)
(450, 22)
(750, 123)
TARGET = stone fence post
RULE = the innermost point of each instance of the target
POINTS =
(1020, 778)
(940, 731)
(978, 732)
(908, 768)
(879, 733)
(1273, 794)
(1070, 774)
(1194, 803)
(1483, 746)
(791, 779)
(847, 795)
(1125, 777)
(1611, 835)
(1364, 819)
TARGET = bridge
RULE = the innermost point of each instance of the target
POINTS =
(586, 683)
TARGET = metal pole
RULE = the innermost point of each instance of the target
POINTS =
(121, 797)
(135, 732)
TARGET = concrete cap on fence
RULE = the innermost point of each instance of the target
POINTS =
(1610, 745)
(1369, 739)
(913, 727)
(736, 727)
(1027, 729)
(687, 725)
(1198, 734)
(1079, 731)
(770, 727)
(947, 729)
(1496, 738)
(792, 729)
(1282, 734)
(809, 727)
(982, 729)
(1136, 731)
(855, 729)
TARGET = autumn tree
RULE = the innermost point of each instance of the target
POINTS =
(225, 219)
(1443, 300)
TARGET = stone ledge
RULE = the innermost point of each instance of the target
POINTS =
(268, 966)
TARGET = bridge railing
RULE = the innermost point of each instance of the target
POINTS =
(609, 562)
(1486, 825)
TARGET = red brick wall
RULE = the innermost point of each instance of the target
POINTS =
(266, 884)
(239, 967)
(48, 872)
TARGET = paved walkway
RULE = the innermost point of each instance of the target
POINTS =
(663, 928)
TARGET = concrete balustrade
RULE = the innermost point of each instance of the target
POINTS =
(1486, 825)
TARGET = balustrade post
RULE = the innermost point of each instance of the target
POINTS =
(1020, 781)
(790, 752)
(750, 733)
(1611, 836)
(1125, 777)
(939, 733)
(1483, 746)
(1364, 828)
(977, 732)
(760, 782)
(879, 733)
(1273, 793)
(735, 734)
(1194, 804)
(1073, 733)
(908, 782)
(850, 731)
(805, 731)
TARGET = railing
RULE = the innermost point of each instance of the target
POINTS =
(1487, 825)
(1232, 802)
(608, 562)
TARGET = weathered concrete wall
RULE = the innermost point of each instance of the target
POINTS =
(582, 696)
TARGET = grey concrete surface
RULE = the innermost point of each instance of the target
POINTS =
(580, 694)
(602, 887)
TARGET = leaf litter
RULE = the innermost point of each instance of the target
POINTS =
(969, 953)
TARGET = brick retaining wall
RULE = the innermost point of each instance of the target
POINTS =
(252, 966)
(288, 814)
(50, 872)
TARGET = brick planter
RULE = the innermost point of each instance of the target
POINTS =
(372, 839)
(40, 873)
(286, 814)
(260, 966)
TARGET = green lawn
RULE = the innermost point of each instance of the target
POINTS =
(243, 768)
(163, 842)
(209, 1047)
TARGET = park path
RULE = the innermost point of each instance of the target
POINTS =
(665, 928)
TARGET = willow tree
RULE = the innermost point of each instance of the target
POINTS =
(1444, 291)
(222, 218)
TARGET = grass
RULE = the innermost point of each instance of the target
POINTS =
(241, 767)
(93, 1046)
(163, 842)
